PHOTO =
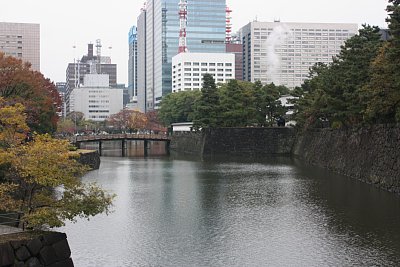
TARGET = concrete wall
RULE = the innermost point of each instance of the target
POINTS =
(49, 249)
(370, 154)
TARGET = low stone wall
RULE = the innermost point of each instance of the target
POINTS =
(187, 143)
(254, 142)
(90, 158)
(370, 154)
(50, 249)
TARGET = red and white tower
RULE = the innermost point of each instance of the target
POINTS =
(182, 29)
(228, 31)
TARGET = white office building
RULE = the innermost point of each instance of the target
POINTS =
(282, 53)
(188, 69)
(96, 99)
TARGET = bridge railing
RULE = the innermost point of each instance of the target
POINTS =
(120, 136)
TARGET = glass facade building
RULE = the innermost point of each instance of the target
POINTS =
(132, 62)
(205, 33)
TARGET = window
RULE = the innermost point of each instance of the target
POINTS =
(212, 64)
(204, 64)
(196, 63)
(188, 69)
(220, 64)
(188, 64)
(228, 64)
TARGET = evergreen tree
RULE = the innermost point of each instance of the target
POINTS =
(207, 111)
(383, 91)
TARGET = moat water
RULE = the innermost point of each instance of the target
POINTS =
(277, 212)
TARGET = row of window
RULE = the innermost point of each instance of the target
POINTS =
(203, 69)
(304, 30)
(204, 64)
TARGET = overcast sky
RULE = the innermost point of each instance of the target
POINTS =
(68, 23)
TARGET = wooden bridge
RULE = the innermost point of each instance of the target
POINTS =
(77, 140)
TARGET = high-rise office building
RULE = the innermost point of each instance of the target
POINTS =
(141, 61)
(282, 53)
(88, 64)
(206, 25)
(132, 63)
(21, 40)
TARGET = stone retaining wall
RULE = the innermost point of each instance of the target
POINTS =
(369, 154)
(254, 142)
(90, 158)
(49, 249)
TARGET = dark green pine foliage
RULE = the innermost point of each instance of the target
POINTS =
(234, 113)
(333, 94)
(383, 91)
(178, 107)
(207, 111)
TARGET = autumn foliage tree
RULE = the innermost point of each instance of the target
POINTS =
(128, 120)
(20, 84)
(40, 179)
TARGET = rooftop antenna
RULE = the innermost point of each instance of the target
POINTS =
(182, 29)
(98, 54)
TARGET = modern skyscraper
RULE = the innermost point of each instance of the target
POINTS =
(141, 60)
(21, 40)
(282, 53)
(132, 62)
(206, 25)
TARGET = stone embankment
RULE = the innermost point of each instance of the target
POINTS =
(369, 154)
(89, 157)
(46, 250)
(254, 142)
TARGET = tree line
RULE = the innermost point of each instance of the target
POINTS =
(234, 104)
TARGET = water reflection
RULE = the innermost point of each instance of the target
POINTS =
(224, 213)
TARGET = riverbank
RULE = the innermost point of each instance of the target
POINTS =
(369, 154)
(88, 157)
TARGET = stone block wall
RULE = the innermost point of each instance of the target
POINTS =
(49, 249)
(370, 154)
(254, 142)
(235, 142)
(90, 158)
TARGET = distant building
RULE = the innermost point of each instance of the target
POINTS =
(61, 89)
(188, 69)
(96, 99)
(88, 64)
(385, 35)
(237, 49)
(141, 61)
(282, 53)
(132, 62)
(21, 40)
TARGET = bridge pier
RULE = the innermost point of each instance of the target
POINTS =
(167, 147)
(123, 147)
(146, 147)
(100, 147)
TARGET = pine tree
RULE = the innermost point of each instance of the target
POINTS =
(207, 111)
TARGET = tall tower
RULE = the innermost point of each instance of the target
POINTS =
(182, 23)
(228, 31)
